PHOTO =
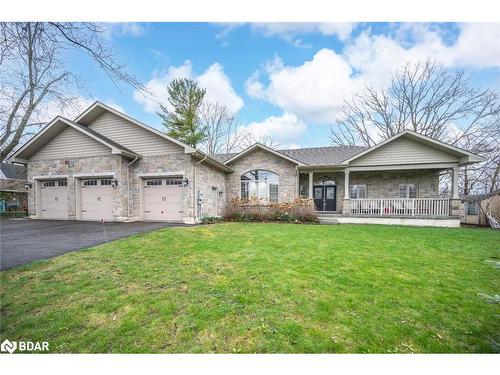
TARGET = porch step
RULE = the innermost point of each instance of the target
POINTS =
(327, 220)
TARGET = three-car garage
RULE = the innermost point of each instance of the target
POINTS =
(161, 198)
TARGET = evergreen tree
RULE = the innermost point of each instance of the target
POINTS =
(182, 123)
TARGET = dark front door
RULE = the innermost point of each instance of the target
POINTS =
(325, 197)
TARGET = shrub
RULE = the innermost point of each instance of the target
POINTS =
(299, 210)
(13, 214)
(210, 219)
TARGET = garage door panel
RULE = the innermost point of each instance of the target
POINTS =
(163, 200)
(54, 200)
(96, 199)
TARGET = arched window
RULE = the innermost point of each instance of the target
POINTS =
(260, 184)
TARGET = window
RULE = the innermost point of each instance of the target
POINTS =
(260, 184)
(49, 183)
(173, 181)
(62, 183)
(156, 182)
(90, 183)
(358, 191)
(408, 191)
(106, 182)
(472, 208)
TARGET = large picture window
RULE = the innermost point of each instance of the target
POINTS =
(260, 184)
(358, 191)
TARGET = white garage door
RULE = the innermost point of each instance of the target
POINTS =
(54, 199)
(163, 199)
(97, 199)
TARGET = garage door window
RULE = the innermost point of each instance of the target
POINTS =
(49, 183)
(173, 181)
(106, 182)
(153, 182)
(90, 183)
(62, 183)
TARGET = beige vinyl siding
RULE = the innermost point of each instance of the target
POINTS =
(132, 136)
(71, 143)
(404, 151)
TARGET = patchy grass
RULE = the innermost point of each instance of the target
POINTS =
(277, 288)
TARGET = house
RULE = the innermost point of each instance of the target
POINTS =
(105, 165)
(13, 190)
(476, 206)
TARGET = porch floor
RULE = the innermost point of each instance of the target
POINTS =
(423, 221)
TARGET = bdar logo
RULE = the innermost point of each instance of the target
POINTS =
(8, 346)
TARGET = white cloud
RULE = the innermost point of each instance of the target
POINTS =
(216, 82)
(291, 31)
(122, 29)
(316, 89)
(284, 129)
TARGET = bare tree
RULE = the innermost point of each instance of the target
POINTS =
(431, 100)
(248, 139)
(221, 129)
(33, 72)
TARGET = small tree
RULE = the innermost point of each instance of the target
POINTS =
(182, 122)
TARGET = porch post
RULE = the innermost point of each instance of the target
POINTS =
(346, 184)
(310, 185)
(456, 205)
(454, 182)
(346, 204)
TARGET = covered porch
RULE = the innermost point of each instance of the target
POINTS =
(381, 193)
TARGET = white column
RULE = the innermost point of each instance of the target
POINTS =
(310, 185)
(454, 182)
(346, 184)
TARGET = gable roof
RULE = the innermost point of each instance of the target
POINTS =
(464, 156)
(54, 128)
(96, 109)
(265, 148)
(12, 171)
(332, 155)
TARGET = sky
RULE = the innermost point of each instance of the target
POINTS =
(281, 80)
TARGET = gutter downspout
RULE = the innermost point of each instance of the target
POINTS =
(128, 185)
(195, 200)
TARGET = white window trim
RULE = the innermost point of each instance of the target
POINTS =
(407, 189)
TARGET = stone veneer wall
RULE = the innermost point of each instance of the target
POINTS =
(378, 184)
(261, 159)
(169, 163)
(91, 165)
(208, 177)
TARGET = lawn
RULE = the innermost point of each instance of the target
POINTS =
(265, 288)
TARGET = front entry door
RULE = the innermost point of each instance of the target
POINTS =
(325, 197)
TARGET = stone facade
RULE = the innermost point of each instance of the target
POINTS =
(260, 159)
(88, 167)
(383, 184)
(169, 164)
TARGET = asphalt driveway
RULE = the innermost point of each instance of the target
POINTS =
(22, 240)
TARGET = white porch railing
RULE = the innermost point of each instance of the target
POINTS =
(400, 206)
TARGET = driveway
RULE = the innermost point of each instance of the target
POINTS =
(22, 240)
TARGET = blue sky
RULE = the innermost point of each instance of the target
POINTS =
(285, 81)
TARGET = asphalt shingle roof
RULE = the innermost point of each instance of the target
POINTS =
(13, 171)
(332, 155)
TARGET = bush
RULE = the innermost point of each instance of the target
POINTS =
(13, 214)
(299, 210)
(210, 219)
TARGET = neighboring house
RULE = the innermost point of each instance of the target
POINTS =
(476, 206)
(13, 190)
(107, 165)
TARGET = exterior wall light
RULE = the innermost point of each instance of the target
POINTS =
(28, 185)
(185, 182)
(114, 183)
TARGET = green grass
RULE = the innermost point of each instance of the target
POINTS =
(267, 288)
